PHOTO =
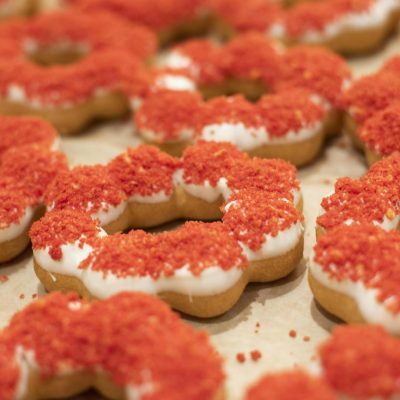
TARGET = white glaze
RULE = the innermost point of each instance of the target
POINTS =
(159, 197)
(372, 311)
(108, 213)
(72, 256)
(26, 361)
(183, 136)
(177, 60)
(248, 138)
(175, 82)
(376, 16)
(14, 230)
(274, 246)
(211, 281)
(205, 191)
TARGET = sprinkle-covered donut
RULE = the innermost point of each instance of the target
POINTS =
(371, 199)
(291, 123)
(127, 347)
(89, 85)
(338, 373)
(370, 102)
(27, 166)
(201, 268)
(355, 274)
(343, 25)
(171, 19)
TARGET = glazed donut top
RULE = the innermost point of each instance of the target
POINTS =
(27, 166)
(176, 115)
(308, 21)
(372, 347)
(259, 197)
(380, 133)
(156, 15)
(373, 93)
(291, 385)
(133, 338)
(373, 198)
(368, 256)
(65, 32)
(315, 69)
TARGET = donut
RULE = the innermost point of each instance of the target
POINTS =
(354, 275)
(15, 8)
(371, 111)
(380, 133)
(27, 166)
(201, 268)
(61, 67)
(171, 19)
(129, 346)
(290, 123)
(344, 26)
(371, 199)
(290, 385)
(337, 373)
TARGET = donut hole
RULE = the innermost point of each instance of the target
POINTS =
(59, 54)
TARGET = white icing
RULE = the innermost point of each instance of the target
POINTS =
(26, 361)
(108, 213)
(154, 198)
(72, 256)
(211, 281)
(205, 191)
(274, 246)
(372, 311)
(375, 16)
(16, 229)
(175, 82)
(147, 387)
(184, 135)
(388, 224)
(248, 138)
(176, 60)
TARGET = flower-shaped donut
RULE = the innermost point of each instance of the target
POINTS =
(343, 25)
(127, 347)
(306, 83)
(101, 67)
(27, 166)
(372, 111)
(356, 362)
(373, 199)
(200, 268)
(355, 274)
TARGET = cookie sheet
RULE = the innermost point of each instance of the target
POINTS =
(280, 319)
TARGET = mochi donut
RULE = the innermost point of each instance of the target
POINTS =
(337, 373)
(201, 268)
(342, 25)
(27, 166)
(129, 346)
(354, 274)
(15, 8)
(368, 96)
(170, 19)
(290, 123)
(86, 83)
(371, 199)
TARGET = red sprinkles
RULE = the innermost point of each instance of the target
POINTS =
(123, 335)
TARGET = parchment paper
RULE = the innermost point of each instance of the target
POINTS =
(278, 307)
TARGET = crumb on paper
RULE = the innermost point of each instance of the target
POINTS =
(21, 296)
(34, 296)
(293, 333)
(306, 338)
(241, 358)
(4, 278)
(255, 355)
